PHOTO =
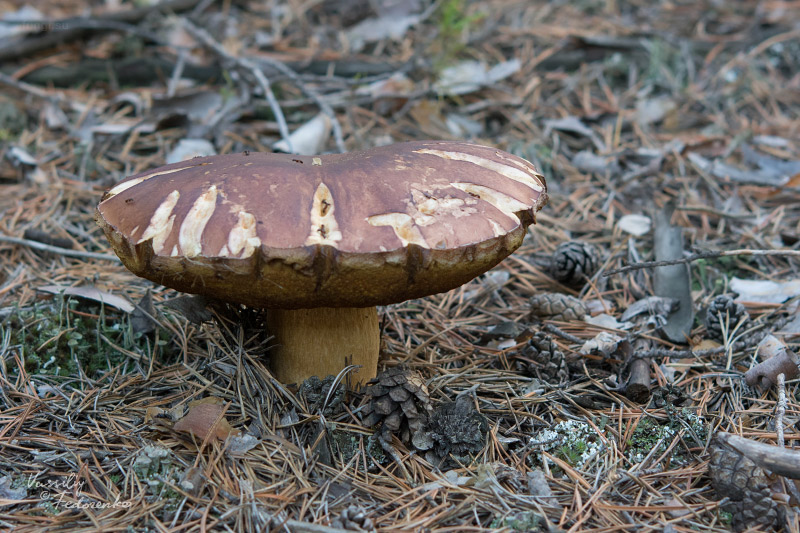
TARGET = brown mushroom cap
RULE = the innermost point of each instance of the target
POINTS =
(347, 230)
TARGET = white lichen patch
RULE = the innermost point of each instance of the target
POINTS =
(324, 227)
(125, 185)
(161, 223)
(505, 203)
(403, 226)
(191, 232)
(576, 442)
(509, 172)
(242, 239)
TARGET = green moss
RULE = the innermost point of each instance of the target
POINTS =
(452, 22)
(345, 445)
(573, 452)
(524, 521)
(572, 441)
(650, 436)
(64, 335)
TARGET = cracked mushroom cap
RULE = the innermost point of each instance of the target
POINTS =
(347, 230)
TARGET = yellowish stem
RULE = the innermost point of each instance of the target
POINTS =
(321, 342)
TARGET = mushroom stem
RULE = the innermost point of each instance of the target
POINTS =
(320, 342)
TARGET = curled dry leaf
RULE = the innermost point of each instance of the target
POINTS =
(205, 419)
(636, 225)
(777, 359)
(90, 292)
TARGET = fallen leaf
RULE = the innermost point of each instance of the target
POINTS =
(197, 106)
(652, 305)
(308, 139)
(491, 282)
(91, 293)
(604, 343)
(141, 321)
(189, 148)
(469, 76)
(637, 225)
(378, 28)
(205, 420)
(792, 328)
(461, 126)
(705, 344)
(764, 291)
(588, 161)
(652, 110)
(242, 444)
(604, 320)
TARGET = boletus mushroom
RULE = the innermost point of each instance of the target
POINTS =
(320, 241)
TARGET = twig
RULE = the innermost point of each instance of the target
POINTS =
(701, 255)
(550, 328)
(68, 29)
(699, 354)
(637, 388)
(780, 411)
(776, 459)
(30, 89)
(311, 93)
(204, 37)
(98, 24)
(58, 250)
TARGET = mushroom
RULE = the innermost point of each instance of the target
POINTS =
(321, 241)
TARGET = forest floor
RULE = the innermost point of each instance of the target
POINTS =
(666, 131)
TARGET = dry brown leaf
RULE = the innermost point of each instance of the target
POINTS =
(706, 344)
(90, 293)
(205, 419)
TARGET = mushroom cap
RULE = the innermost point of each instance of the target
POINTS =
(345, 230)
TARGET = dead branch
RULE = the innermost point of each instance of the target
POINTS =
(638, 386)
(204, 37)
(68, 29)
(57, 249)
(776, 459)
(766, 372)
(701, 255)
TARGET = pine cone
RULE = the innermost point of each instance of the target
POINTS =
(315, 391)
(574, 262)
(557, 306)
(738, 478)
(455, 428)
(541, 358)
(399, 401)
(730, 312)
(354, 518)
